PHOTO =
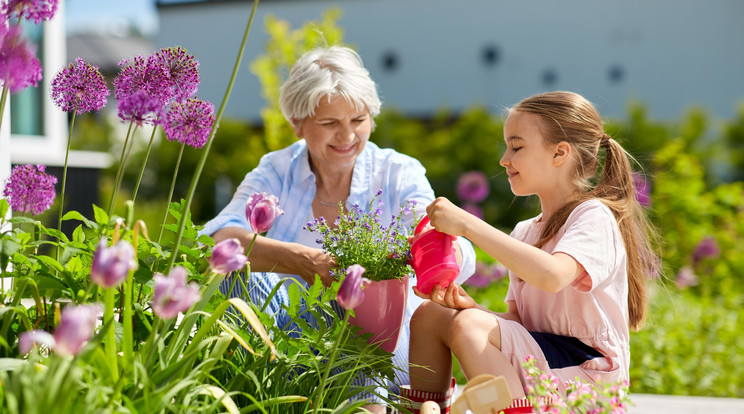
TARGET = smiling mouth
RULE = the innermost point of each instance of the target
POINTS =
(343, 149)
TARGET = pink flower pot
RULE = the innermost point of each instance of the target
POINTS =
(433, 258)
(382, 311)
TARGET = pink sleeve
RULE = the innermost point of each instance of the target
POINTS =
(591, 237)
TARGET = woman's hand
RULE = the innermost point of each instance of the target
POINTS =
(314, 261)
(447, 217)
(453, 297)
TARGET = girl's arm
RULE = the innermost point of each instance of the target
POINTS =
(269, 255)
(550, 272)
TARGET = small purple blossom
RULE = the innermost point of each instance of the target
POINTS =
(705, 249)
(350, 293)
(685, 278)
(261, 210)
(76, 327)
(189, 122)
(36, 10)
(473, 186)
(30, 189)
(19, 68)
(172, 295)
(142, 75)
(140, 107)
(181, 71)
(473, 209)
(485, 274)
(27, 340)
(227, 256)
(642, 189)
(111, 265)
(80, 86)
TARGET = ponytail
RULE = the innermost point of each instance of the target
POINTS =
(571, 118)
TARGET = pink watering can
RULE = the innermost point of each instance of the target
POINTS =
(433, 257)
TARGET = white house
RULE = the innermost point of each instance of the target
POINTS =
(428, 54)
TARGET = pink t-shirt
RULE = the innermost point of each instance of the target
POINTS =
(594, 308)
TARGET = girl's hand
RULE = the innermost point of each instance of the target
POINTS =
(453, 297)
(447, 217)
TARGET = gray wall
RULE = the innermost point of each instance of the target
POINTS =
(671, 54)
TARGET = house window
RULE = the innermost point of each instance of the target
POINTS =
(26, 116)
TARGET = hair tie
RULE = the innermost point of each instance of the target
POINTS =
(605, 140)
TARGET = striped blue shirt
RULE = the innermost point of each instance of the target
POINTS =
(286, 174)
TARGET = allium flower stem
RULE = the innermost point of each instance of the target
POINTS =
(170, 193)
(3, 99)
(64, 175)
(122, 161)
(208, 145)
(142, 170)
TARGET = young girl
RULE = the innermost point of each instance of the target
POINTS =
(577, 270)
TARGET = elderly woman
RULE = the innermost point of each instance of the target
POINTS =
(330, 101)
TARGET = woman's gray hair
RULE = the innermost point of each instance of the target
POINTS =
(325, 73)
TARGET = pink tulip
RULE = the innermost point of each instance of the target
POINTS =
(27, 340)
(350, 294)
(261, 210)
(172, 295)
(227, 256)
(76, 327)
(112, 264)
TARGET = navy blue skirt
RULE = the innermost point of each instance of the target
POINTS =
(564, 351)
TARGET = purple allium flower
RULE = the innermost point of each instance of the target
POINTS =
(181, 71)
(30, 189)
(36, 10)
(19, 68)
(642, 189)
(189, 122)
(142, 75)
(473, 186)
(27, 340)
(227, 256)
(140, 107)
(685, 278)
(706, 248)
(76, 327)
(79, 85)
(172, 295)
(261, 210)
(111, 265)
(350, 293)
(473, 209)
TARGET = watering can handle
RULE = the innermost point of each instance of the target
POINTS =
(424, 221)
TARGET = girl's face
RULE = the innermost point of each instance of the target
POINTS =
(336, 134)
(528, 161)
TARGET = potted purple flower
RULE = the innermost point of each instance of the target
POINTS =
(380, 245)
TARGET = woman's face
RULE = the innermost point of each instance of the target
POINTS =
(336, 134)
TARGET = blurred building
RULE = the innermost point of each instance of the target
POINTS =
(429, 54)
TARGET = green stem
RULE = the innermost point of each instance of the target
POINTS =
(3, 99)
(318, 400)
(110, 337)
(203, 160)
(147, 155)
(64, 174)
(120, 172)
(170, 195)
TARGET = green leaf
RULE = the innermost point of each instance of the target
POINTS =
(100, 216)
(78, 234)
(74, 215)
(51, 262)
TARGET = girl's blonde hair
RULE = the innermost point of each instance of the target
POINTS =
(569, 117)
